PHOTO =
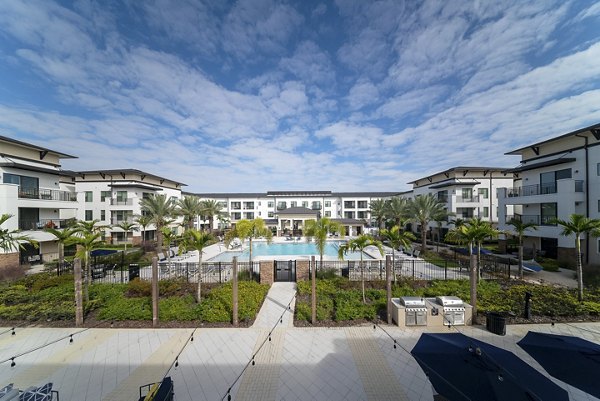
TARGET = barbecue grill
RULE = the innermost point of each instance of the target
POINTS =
(415, 311)
(453, 310)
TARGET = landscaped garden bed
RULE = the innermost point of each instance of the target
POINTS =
(339, 301)
(47, 299)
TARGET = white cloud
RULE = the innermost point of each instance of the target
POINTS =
(362, 94)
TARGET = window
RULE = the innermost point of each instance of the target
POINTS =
(483, 193)
(27, 184)
(102, 215)
(249, 215)
(349, 204)
(236, 205)
(327, 213)
(222, 205)
(271, 204)
(361, 215)
(146, 195)
(349, 215)
(548, 214)
(121, 196)
(442, 196)
(119, 216)
(271, 215)
(598, 168)
(304, 203)
(467, 193)
(236, 216)
(105, 194)
(293, 204)
(316, 205)
(89, 215)
(281, 205)
(89, 196)
(248, 205)
(486, 211)
(327, 203)
(362, 204)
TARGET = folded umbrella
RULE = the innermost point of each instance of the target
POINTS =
(571, 359)
(463, 368)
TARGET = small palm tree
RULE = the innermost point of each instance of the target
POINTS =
(169, 236)
(11, 240)
(197, 240)
(319, 229)
(160, 209)
(440, 218)
(91, 227)
(577, 225)
(189, 207)
(143, 221)
(249, 229)
(127, 227)
(378, 208)
(397, 237)
(520, 228)
(422, 210)
(360, 243)
(86, 243)
(62, 237)
(210, 208)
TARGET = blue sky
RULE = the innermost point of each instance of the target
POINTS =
(268, 95)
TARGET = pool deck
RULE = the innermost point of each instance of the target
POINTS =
(291, 363)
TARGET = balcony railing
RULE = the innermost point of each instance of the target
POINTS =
(531, 190)
(122, 202)
(472, 199)
(47, 194)
(42, 224)
(117, 220)
(533, 219)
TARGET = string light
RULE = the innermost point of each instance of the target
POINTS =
(13, 331)
(71, 339)
(12, 362)
(177, 362)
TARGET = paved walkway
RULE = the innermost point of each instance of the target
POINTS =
(357, 363)
(276, 302)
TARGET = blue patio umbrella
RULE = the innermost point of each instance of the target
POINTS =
(571, 359)
(463, 368)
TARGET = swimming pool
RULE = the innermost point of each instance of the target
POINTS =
(302, 249)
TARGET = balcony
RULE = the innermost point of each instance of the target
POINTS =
(472, 199)
(122, 202)
(533, 219)
(47, 194)
(40, 224)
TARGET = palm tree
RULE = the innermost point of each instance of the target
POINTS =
(86, 242)
(360, 243)
(10, 240)
(210, 208)
(577, 225)
(168, 236)
(422, 210)
(90, 226)
(318, 229)
(249, 229)
(197, 240)
(378, 208)
(62, 237)
(189, 207)
(397, 237)
(520, 228)
(126, 227)
(396, 210)
(473, 233)
(159, 209)
(143, 221)
(439, 218)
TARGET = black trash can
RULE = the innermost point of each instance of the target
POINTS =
(345, 272)
(496, 323)
(134, 271)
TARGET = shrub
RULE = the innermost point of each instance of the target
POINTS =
(178, 308)
(139, 288)
(326, 274)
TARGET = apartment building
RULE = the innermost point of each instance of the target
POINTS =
(286, 211)
(556, 178)
(37, 193)
(113, 197)
(466, 192)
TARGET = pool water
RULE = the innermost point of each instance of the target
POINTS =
(300, 248)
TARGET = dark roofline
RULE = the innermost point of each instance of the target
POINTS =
(368, 194)
(452, 182)
(229, 195)
(28, 167)
(127, 171)
(298, 193)
(553, 162)
(460, 168)
(517, 152)
(36, 147)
